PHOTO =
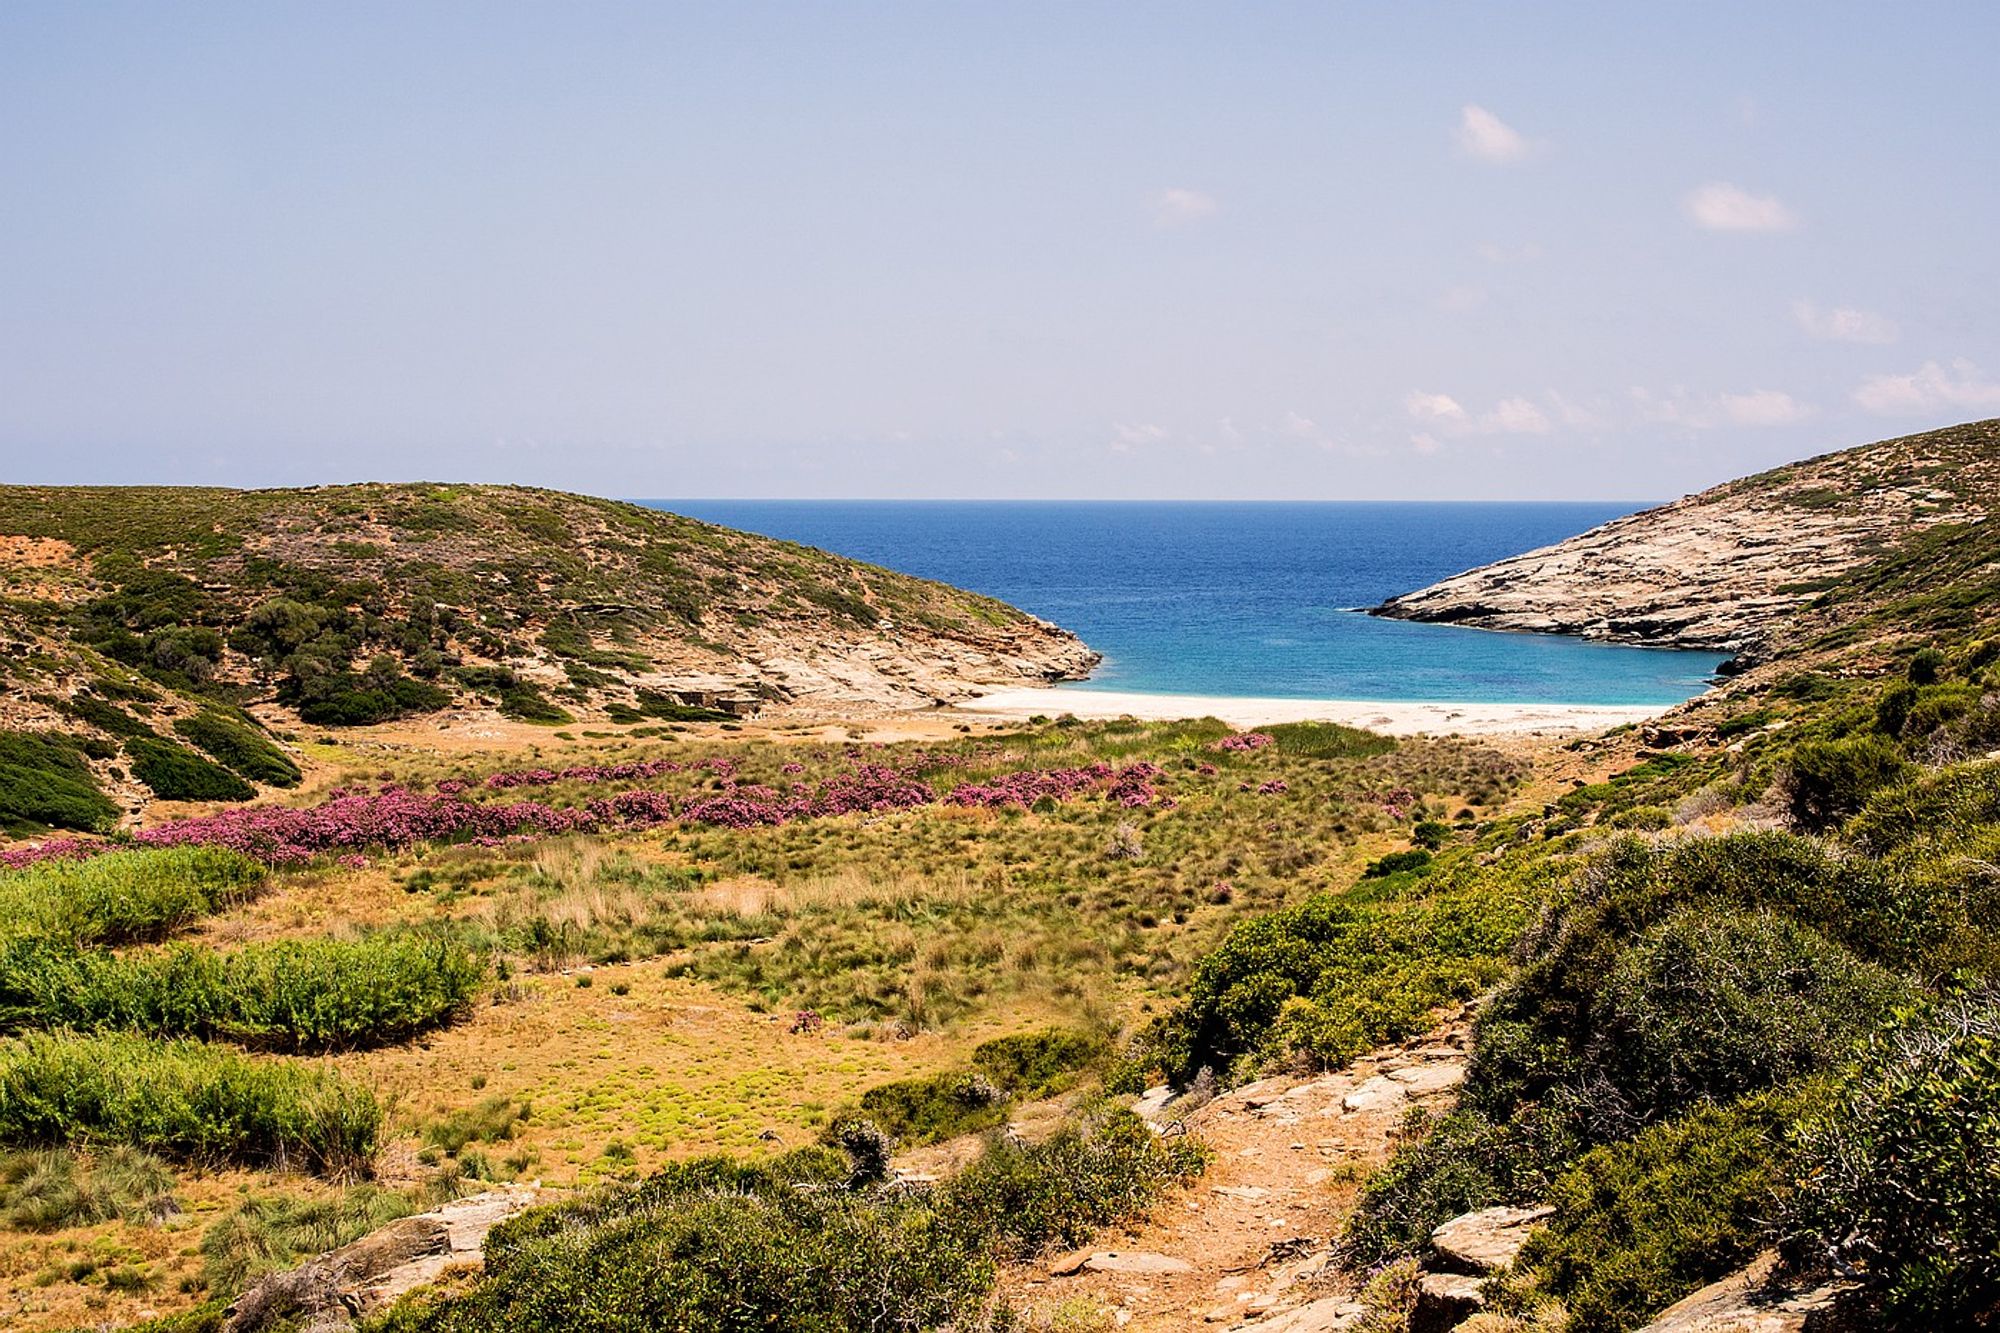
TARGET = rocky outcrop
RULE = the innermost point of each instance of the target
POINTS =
(1754, 1301)
(1485, 1241)
(1715, 570)
(330, 1292)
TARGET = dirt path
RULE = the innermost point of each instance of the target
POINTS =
(1249, 1245)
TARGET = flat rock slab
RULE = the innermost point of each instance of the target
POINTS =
(1485, 1241)
(1377, 1094)
(1430, 1078)
(1135, 1261)
(1332, 1315)
(1746, 1302)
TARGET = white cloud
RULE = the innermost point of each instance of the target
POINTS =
(1720, 206)
(1758, 407)
(1298, 427)
(1483, 135)
(1434, 407)
(1129, 437)
(1929, 388)
(1763, 407)
(1177, 206)
(1845, 324)
(1423, 442)
(1509, 416)
(1515, 416)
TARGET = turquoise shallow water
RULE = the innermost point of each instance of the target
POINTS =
(1246, 599)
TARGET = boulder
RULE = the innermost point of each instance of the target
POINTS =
(1444, 1301)
(1485, 1241)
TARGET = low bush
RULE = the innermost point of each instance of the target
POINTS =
(44, 783)
(175, 773)
(494, 1120)
(516, 697)
(125, 896)
(1900, 1172)
(1037, 1064)
(50, 1189)
(934, 1107)
(185, 1100)
(1708, 1007)
(713, 1245)
(1827, 781)
(1452, 1164)
(347, 700)
(1333, 976)
(295, 995)
(241, 747)
(1642, 1223)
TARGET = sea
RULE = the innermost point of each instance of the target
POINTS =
(1246, 599)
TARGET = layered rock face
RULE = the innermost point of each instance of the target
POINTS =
(1715, 570)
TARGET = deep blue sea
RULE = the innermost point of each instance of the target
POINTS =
(1245, 599)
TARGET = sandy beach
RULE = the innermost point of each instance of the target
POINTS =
(1403, 718)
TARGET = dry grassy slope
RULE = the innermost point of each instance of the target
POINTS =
(1719, 570)
(636, 597)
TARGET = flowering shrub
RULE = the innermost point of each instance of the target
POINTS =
(398, 817)
(1274, 787)
(1244, 740)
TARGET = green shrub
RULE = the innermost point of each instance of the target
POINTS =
(44, 783)
(1827, 781)
(241, 747)
(1709, 1006)
(933, 1107)
(125, 896)
(1397, 863)
(713, 1245)
(1448, 1165)
(1037, 1064)
(1640, 1224)
(346, 700)
(49, 1189)
(1034, 1197)
(1333, 976)
(296, 995)
(176, 773)
(517, 698)
(1900, 1172)
(1925, 665)
(183, 1099)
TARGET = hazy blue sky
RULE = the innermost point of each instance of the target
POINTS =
(1014, 249)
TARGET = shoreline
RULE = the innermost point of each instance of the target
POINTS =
(1401, 717)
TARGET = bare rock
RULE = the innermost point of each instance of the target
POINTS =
(1135, 1261)
(1753, 1302)
(1444, 1301)
(1718, 570)
(1332, 1315)
(328, 1292)
(1485, 1241)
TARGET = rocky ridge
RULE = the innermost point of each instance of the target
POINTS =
(1717, 569)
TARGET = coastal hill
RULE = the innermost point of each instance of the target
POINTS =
(147, 616)
(1718, 570)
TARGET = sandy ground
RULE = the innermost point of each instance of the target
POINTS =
(1395, 719)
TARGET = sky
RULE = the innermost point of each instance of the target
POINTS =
(1004, 250)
